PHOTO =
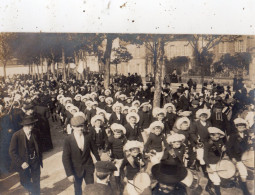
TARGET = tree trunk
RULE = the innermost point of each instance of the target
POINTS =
(63, 66)
(53, 69)
(84, 75)
(41, 64)
(57, 71)
(68, 70)
(107, 60)
(29, 69)
(146, 65)
(5, 70)
(38, 75)
(47, 68)
(158, 72)
(76, 61)
(33, 71)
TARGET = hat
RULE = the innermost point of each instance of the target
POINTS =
(79, 114)
(108, 99)
(105, 166)
(117, 94)
(94, 103)
(136, 102)
(95, 118)
(179, 121)
(169, 172)
(66, 99)
(216, 130)
(156, 124)
(184, 113)
(230, 100)
(145, 104)
(132, 114)
(133, 144)
(125, 108)
(28, 120)
(78, 95)
(77, 121)
(68, 105)
(93, 93)
(117, 104)
(74, 108)
(203, 111)
(122, 96)
(88, 103)
(28, 107)
(59, 97)
(107, 90)
(169, 105)
(156, 111)
(133, 108)
(240, 121)
(175, 138)
(218, 105)
(116, 126)
(101, 96)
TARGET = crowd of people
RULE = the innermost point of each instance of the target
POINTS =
(116, 134)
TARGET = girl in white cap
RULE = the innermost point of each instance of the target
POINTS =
(98, 134)
(133, 131)
(156, 139)
(237, 144)
(133, 163)
(176, 149)
(213, 152)
(116, 143)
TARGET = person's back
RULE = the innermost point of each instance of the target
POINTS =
(98, 189)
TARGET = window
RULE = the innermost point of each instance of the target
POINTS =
(239, 46)
(223, 47)
(172, 51)
(186, 50)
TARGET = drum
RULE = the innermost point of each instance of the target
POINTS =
(141, 181)
(225, 169)
(191, 180)
(248, 159)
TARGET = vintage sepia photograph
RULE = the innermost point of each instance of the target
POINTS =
(126, 114)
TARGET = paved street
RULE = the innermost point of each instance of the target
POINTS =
(53, 179)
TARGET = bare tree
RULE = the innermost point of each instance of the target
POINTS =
(202, 44)
(5, 49)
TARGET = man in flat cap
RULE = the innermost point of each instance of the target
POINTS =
(104, 169)
(76, 156)
(26, 155)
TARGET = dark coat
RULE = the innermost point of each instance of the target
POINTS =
(133, 134)
(18, 149)
(236, 145)
(145, 119)
(197, 129)
(212, 151)
(75, 162)
(98, 189)
(114, 119)
(42, 114)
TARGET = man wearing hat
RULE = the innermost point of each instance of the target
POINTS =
(104, 169)
(25, 152)
(169, 176)
(76, 158)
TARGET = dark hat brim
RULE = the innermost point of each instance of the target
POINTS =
(28, 122)
(162, 177)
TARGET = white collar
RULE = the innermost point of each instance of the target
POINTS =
(101, 182)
